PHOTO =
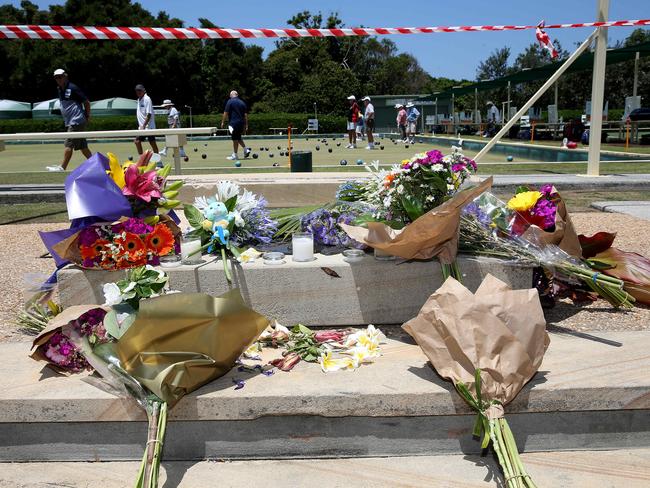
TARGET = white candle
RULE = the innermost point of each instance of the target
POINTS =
(303, 247)
(187, 248)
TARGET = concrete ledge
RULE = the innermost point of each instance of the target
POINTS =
(639, 209)
(372, 291)
(588, 394)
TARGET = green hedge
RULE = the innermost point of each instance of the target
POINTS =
(258, 123)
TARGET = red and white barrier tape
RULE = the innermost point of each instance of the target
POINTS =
(66, 32)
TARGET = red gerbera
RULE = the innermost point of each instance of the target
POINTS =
(94, 250)
(133, 249)
(161, 241)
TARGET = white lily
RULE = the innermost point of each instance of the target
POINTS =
(328, 363)
(362, 355)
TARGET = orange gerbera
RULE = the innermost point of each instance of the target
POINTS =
(94, 250)
(388, 179)
(133, 249)
(161, 240)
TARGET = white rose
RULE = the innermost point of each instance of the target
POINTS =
(112, 294)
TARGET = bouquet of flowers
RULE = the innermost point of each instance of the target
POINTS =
(133, 222)
(487, 229)
(492, 342)
(542, 215)
(228, 221)
(324, 225)
(140, 357)
(124, 244)
(416, 186)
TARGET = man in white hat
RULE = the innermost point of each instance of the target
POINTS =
(493, 114)
(75, 109)
(353, 116)
(412, 115)
(173, 122)
(369, 120)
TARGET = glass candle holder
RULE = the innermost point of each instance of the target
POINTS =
(353, 255)
(170, 261)
(190, 253)
(302, 244)
(383, 256)
(273, 258)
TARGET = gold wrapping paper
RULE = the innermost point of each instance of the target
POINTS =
(497, 329)
(182, 341)
(435, 234)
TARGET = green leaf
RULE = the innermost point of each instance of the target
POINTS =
(231, 203)
(414, 209)
(112, 326)
(522, 189)
(193, 216)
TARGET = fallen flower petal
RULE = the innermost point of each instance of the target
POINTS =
(286, 363)
(239, 384)
(328, 363)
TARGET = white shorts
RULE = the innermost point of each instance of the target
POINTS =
(412, 127)
(352, 125)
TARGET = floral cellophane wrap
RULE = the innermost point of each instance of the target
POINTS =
(498, 330)
(564, 236)
(435, 234)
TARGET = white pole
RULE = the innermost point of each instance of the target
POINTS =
(598, 91)
(504, 130)
(636, 74)
(506, 118)
(476, 105)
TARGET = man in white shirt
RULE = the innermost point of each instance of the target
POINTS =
(173, 122)
(369, 119)
(146, 120)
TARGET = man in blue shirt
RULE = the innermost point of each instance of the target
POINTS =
(237, 114)
(412, 115)
(75, 109)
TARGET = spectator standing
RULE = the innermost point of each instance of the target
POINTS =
(401, 120)
(237, 113)
(75, 109)
(412, 116)
(173, 122)
(493, 114)
(369, 119)
(353, 116)
(360, 125)
(146, 119)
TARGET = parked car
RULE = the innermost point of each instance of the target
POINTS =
(640, 114)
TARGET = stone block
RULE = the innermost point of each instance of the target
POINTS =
(372, 291)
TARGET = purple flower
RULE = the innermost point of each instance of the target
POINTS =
(239, 384)
(546, 209)
(458, 167)
(474, 210)
(547, 190)
(323, 224)
(88, 236)
(434, 156)
(136, 226)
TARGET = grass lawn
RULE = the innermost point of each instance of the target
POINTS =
(25, 163)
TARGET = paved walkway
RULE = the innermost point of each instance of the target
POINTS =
(635, 208)
(577, 469)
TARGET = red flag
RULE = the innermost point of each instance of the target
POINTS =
(545, 41)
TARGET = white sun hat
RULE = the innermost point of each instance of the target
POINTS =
(352, 97)
(59, 72)
(365, 98)
(167, 103)
(409, 105)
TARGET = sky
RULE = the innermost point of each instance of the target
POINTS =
(453, 55)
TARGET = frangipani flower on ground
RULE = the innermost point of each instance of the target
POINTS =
(249, 255)
(328, 363)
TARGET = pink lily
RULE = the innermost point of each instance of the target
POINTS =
(141, 185)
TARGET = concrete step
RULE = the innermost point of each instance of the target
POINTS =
(371, 291)
(592, 392)
(577, 469)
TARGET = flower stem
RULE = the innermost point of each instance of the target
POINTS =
(224, 258)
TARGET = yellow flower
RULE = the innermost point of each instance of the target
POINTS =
(207, 225)
(524, 201)
(328, 363)
(116, 172)
(361, 355)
